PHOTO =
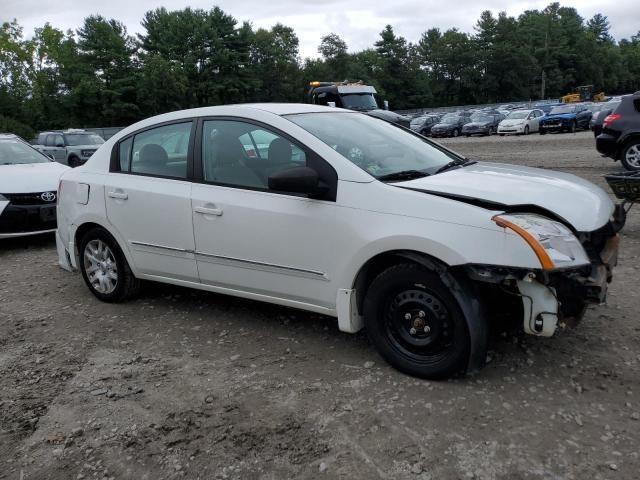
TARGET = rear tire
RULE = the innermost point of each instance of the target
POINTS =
(630, 157)
(104, 268)
(416, 324)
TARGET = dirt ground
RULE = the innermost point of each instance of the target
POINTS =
(188, 384)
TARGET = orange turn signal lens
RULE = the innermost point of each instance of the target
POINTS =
(541, 253)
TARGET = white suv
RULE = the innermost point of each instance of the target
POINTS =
(335, 212)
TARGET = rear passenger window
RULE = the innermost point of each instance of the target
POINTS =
(160, 151)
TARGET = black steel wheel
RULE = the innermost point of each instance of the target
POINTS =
(416, 324)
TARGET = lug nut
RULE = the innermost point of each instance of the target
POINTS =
(421, 314)
(413, 331)
(407, 316)
(427, 329)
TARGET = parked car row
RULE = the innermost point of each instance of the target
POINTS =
(514, 120)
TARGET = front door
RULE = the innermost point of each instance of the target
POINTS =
(255, 240)
(148, 199)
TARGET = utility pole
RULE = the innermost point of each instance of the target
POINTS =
(542, 86)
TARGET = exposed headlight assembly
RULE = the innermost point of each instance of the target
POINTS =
(552, 242)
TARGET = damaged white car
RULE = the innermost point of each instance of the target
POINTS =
(335, 212)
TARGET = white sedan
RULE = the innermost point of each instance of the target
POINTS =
(521, 122)
(344, 215)
(28, 189)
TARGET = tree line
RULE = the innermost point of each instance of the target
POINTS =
(99, 75)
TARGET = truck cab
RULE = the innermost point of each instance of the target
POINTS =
(353, 96)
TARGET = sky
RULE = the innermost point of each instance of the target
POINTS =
(358, 22)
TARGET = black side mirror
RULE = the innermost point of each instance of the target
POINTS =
(296, 180)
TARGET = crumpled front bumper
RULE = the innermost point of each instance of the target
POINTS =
(544, 300)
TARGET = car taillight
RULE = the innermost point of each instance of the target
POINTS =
(609, 119)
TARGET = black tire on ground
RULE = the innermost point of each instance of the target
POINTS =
(467, 135)
(415, 322)
(501, 134)
(572, 127)
(630, 156)
(126, 284)
(74, 162)
(455, 132)
(526, 129)
(543, 132)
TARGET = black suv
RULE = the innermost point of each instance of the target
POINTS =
(620, 137)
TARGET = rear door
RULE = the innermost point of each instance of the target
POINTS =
(148, 199)
(58, 149)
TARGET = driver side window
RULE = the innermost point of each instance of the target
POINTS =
(241, 154)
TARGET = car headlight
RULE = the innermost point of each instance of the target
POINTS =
(553, 243)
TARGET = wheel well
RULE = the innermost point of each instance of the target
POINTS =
(84, 228)
(376, 265)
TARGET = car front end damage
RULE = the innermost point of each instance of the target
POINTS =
(538, 301)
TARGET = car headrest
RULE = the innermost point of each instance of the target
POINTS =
(153, 153)
(280, 151)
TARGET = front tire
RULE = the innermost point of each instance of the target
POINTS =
(416, 324)
(455, 132)
(104, 268)
(74, 162)
(526, 129)
(543, 132)
(573, 127)
(630, 157)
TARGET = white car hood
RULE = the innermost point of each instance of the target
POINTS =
(579, 202)
(31, 177)
(512, 123)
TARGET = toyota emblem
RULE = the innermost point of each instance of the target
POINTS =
(48, 196)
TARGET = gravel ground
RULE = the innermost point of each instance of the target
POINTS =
(188, 384)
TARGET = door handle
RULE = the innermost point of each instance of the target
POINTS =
(118, 195)
(208, 211)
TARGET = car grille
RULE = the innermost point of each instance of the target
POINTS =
(30, 198)
(27, 218)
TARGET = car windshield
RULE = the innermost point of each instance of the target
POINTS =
(450, 118)
(15, 153)
(83, 139)
(358, 101)
(418, 120)
(481, 117)
(562, 109)
(517, 115)
(377, 147)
